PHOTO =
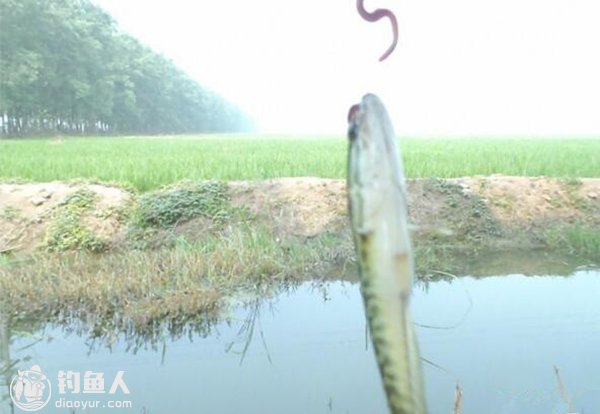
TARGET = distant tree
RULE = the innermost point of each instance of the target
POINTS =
(65, 68)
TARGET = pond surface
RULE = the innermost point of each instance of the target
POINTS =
(305, 351)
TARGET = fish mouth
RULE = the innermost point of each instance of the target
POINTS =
(353, 115)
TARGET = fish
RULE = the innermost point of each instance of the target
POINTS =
(377, 200)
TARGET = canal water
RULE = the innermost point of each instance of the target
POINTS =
(513, 343)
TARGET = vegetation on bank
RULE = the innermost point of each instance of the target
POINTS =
(149, 163)
(158, 277)
(66, 231)
(189, 251)
(141, 289)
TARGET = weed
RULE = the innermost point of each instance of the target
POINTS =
(467, 214)
(184, 202)
(66, 232)
(572, 187)
(139, 289)
(577, 239)
(9, 213)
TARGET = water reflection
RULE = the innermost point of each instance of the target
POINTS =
(304, 351)
(504, 351)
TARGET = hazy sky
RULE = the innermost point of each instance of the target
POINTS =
(462, 67)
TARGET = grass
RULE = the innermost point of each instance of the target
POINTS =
(148, 163)
(183, 202)
(66, 232)
(157, 277)
(576, 239)
(143, 291)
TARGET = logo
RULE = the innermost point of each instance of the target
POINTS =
(30, 390)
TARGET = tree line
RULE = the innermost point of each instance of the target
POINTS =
(66, 68)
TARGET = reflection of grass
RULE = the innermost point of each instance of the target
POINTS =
(148, 163)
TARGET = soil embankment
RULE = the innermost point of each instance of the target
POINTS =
(496, 210)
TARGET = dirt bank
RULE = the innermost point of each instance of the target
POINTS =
(509, 211)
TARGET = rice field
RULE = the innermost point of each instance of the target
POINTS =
(151, 162)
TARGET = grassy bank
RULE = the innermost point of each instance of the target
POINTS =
(148, 163)
(184, 253)
(144, 290)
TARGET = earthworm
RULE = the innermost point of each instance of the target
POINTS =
(375, 16)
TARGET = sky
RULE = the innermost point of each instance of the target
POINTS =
(461, 67)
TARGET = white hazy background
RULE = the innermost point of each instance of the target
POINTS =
(461, 68)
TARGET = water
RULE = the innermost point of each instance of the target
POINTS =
(498, 337)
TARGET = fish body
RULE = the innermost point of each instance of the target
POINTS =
(378, 213)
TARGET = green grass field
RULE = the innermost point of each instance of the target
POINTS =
(148, 162)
